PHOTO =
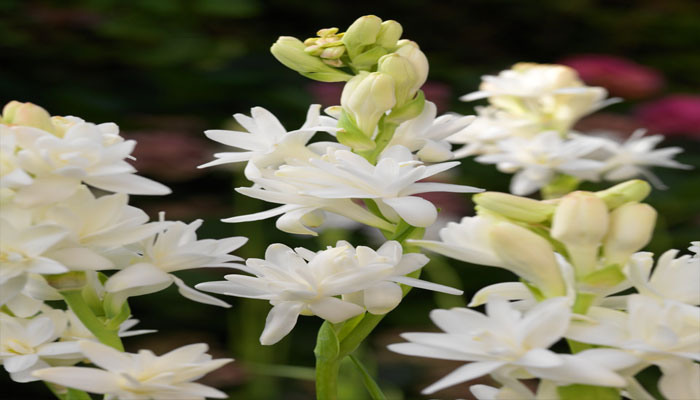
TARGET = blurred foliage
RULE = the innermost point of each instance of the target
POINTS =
(184, 66)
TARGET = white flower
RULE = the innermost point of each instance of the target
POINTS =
(427, 135)
(140, 376)
(11, 174)
(631, 158)
(94, 154)
(267, 142)
(29, 344)
(24, 251)
(465, 241)
(673, 278)
(105, 222)
(300, 211)
(303, 282)
(680, 379)
(490, 127)
(527, 80)
(384, 296)
(174, 249)
(536, 161)
(652, 329)
(552, 95)
(506, 341)
(341, 174)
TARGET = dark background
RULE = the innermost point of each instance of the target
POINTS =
(165, 70)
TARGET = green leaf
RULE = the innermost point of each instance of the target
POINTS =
(374, 390)
(367, 60)
(349, 325)
(75, 394)
(583, 392)
(327, 343)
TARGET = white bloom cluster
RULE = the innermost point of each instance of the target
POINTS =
(335, 284)
(309, 179)
(574, 256)
(140, 376)
(527, 131)
(56, 234)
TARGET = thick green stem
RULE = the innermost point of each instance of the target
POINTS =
(327, 379)
(386, 132)
(77, 304)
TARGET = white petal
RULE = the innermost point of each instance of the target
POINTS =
(141, 275)
(280, 321)
(382, 297)
(89, 379)
(462, 374)
(127, 183)
(414, 210)
(200, 297)
(80, 258)
(335, 310)
(20, 363)
(106, 357)
(419, 283)
(507, 290)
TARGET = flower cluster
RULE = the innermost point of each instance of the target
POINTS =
(577, 257)
(335, 284)
(527, 130)
(59, 237)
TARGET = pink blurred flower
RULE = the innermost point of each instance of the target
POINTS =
(676, 114)
(606, 121)
(622, 77)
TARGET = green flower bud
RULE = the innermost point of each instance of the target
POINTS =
(291, 52)
(515, 207)
(405, 76)
(389, 33)
(632, 190)
(631, 226)
(580, 223)
(412, 52)
(366, 98)
(528, 255)
(27, 114)
(361, 33)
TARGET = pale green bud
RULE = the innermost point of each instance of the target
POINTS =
(405, 76)
(515, 207)
(361, 33)
(72, 280)
(367, 60)
(412, 52)
(631, 226)
(366, 98)
(27, 114)
(291, 52)
(389, 33)
(528, 255)
(632, 190)
(580, 223)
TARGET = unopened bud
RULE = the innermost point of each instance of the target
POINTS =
(361, 33)
(291, 52)
(515, 207)
(389, 33)
(528, 255)
(631, 226)
(367, 97)
(27, 114)
(405, 76)
(625, 192)
(580, 223)
(412, 52)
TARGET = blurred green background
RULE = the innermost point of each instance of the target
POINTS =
(165, 70)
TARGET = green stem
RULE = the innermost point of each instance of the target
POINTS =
(77, 304)
(386, 132)
(374, 390)
(327, 379)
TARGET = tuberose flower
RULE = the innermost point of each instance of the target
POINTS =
(143, 375)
